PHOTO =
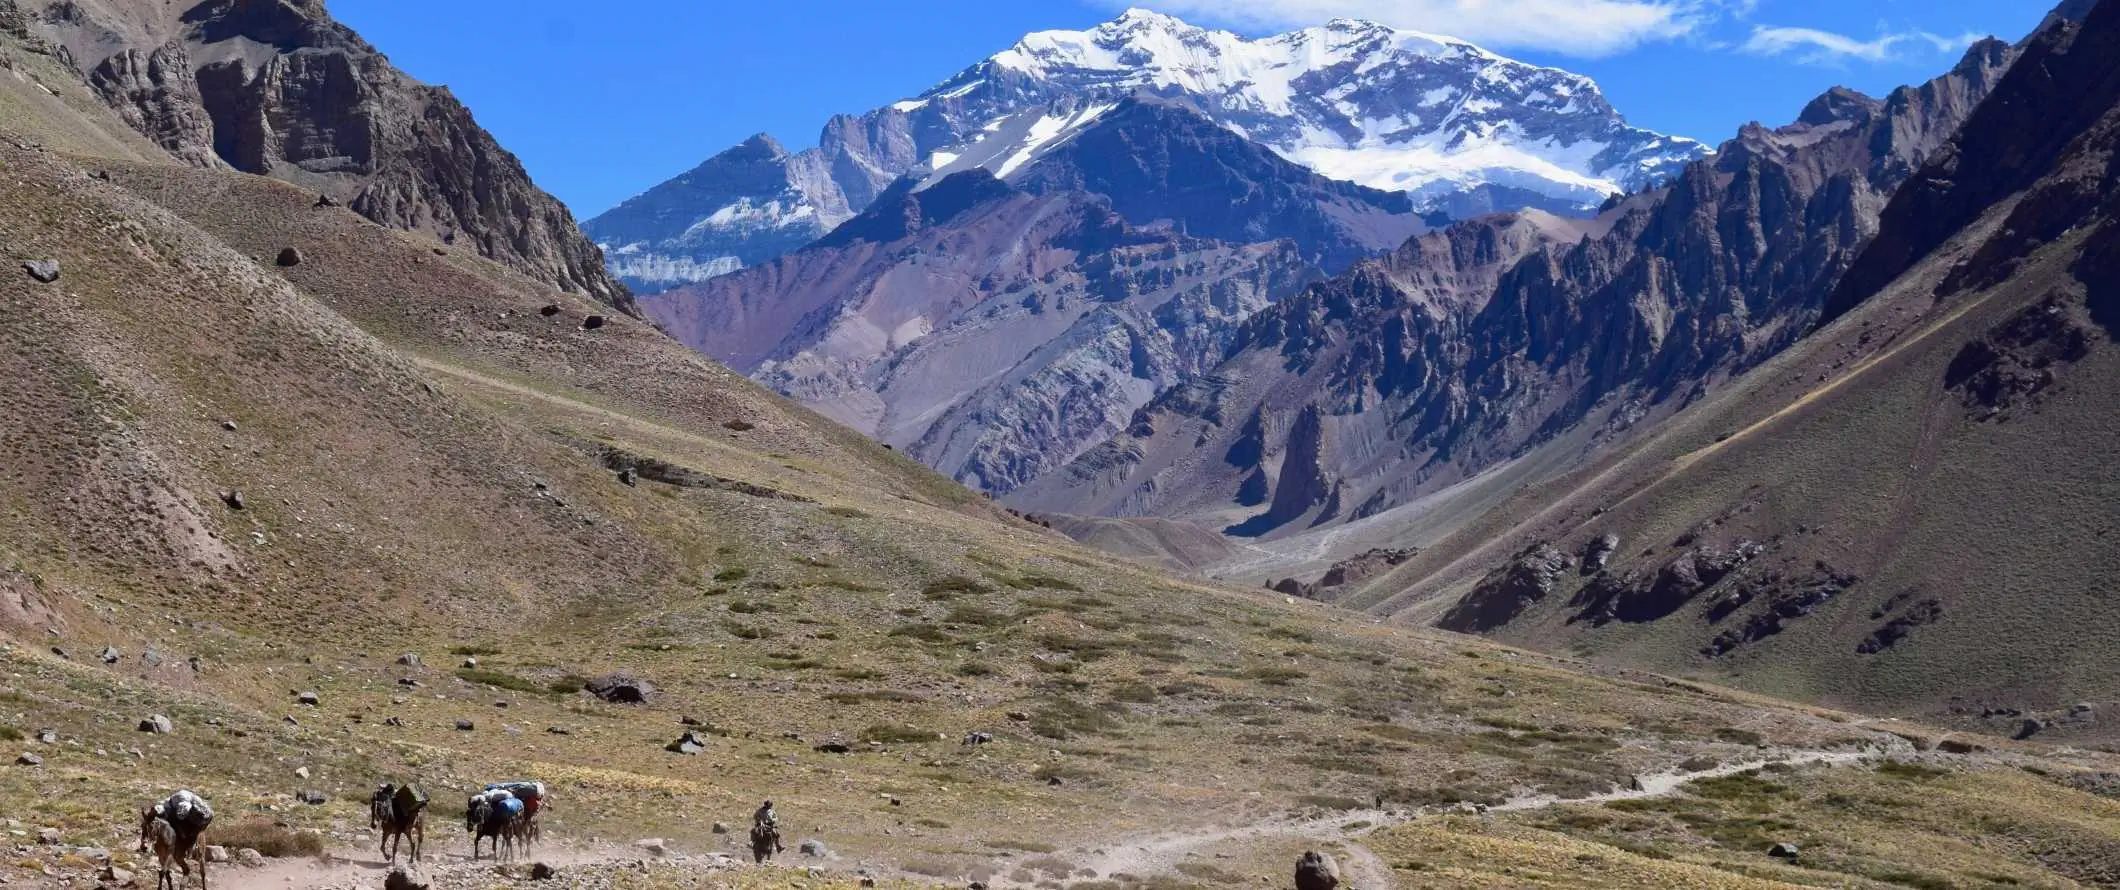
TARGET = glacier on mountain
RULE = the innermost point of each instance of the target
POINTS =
(1458, 128)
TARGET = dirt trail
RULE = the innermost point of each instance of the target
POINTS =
(1364, 870)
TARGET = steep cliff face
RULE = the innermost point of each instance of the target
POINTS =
(1585, 334)
(989, 332)
(277, 88)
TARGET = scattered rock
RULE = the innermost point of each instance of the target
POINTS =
(301, 772)
(592, 322)
(867, 881)
(1955, 746)
(1783, 851)
(409, 659)
(814, 847)
(48, 836)
(114, 876)
(326, 201)
(689, 743)
(542, 872)
(289, 257)
(465, 726)
(394, 721)
(46, 271)
(721, 828)
(834, 747)
(1316, 871)
(653, 846)
(28, 759)
(307, 698)
(628, 478)
(559, 730)
(311, 797)
(234, 499)
(249, 858)
(216, 853)
(110, 655)
(228, 426)
(549, 311)
(48, 736)
(1019, 716)
(471, 662)
(158, 725)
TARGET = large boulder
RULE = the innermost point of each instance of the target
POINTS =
(1317, 871)
(399, 879)
(158, 725)
(621, 689)
(46, 271)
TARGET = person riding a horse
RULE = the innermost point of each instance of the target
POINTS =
(765, 833)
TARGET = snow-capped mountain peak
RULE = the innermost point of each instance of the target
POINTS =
(1458, 128)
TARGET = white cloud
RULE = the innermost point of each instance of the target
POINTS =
(1576, 27)
(1823, 47)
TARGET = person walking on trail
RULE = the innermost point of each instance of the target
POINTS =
(766, 817)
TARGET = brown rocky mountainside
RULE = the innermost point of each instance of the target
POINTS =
(1520, 334)
(986, 331)
(278, 88)
(1909, 509)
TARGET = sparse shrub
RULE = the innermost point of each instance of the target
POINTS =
(978, 615)
(846, 512)
(1274, 674)
(1134, 692)
(896, 733)
(747, 631)
(732, 574)
(873, 695)
(1900, 769)
(273, 840)
(475, 650)
(10, 734)
(975, 669)
(1740, 736)
(499, 680)
(1063, 718)
(924, 632)
(950, 587)
(744, 607)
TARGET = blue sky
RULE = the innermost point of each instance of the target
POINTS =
(602, 102)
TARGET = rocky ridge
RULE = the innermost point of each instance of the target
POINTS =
(279, 88)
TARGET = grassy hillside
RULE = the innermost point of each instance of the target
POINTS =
(250, 480)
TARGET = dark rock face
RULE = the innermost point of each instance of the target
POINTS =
(1305, 485)
(1784, 599)
(1508, 591)
(2017, 361)
(278, 88)
(1667, 590)
(1892, 632)
(1162, 163)
(1598, 553)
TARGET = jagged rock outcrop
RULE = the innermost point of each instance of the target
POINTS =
(279, 88)
(989, 332)
(1352, 570)
(1474, 345)
(1508, 591)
